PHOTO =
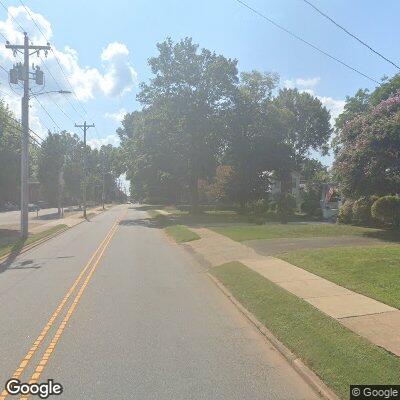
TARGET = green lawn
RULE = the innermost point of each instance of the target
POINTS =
(17, 245)
(271, 231)
(181, 234)
(372, 271)
(336, 354)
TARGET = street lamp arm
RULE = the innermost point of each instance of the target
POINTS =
(51, 91)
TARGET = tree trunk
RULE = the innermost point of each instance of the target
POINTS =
(194, 194)
(242, 206)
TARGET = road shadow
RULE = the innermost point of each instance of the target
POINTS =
(15, 252)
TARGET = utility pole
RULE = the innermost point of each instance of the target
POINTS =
(103, 192)
(84, 127)
(21, 72)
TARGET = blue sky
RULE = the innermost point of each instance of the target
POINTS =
(107, 80)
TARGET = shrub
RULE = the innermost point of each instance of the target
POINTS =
(284, 206)
(346, 212)
(257, 207)
(257, 210)
(362, 210)
(311, 203)
(387, 210)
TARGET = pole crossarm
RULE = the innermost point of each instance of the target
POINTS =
(30, 47)
(85, 126)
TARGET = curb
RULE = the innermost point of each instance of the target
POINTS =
(303, 370)
(197, 256)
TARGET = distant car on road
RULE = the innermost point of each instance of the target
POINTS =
(33, 207)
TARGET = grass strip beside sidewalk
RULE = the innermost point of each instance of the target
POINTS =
(19, 244)
(181, 234)
(371, 271)
(337, 355)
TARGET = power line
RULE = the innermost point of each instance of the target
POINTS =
(56, 58)
(39, 137)
(6, 71)
(351, 34)
(3, 36)
(18, 122)
(8, 13)
(44, 63)
(17, 127)
(305, 41)
(61, 68)
(23, 30)
(57, 83)
(48, 114)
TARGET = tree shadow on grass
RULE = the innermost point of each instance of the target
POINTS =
(146, 207)
(386, 235)
(8, 236)
(156, 223)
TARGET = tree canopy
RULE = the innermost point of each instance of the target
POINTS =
(202, 122)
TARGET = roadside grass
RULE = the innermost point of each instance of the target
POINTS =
(17, 245)
(273, 231)
(370, 270)
(180, 216)
(181, 234)
(336, 354)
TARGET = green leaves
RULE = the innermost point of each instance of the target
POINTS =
(176, 138)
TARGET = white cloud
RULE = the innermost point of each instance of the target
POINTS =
(96, 143)
(117, 116)
(307, 83)
(120, 76)
(333, 105)
(116, 77)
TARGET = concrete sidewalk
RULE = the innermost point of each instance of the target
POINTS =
(367, 317)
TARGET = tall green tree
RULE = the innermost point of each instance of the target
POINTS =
(251, 145)
(308, 129)
(51, 164)
(188, 94)
(10, 155)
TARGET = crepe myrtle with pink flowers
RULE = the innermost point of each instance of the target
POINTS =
(368, 151)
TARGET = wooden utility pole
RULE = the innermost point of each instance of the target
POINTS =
(20, 72)
(84, 127)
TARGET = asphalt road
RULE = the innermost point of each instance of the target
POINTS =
(13, 217)
(143, 322)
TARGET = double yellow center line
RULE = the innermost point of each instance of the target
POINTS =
(91, 267)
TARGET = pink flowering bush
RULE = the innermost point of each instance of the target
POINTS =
(368, 160)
